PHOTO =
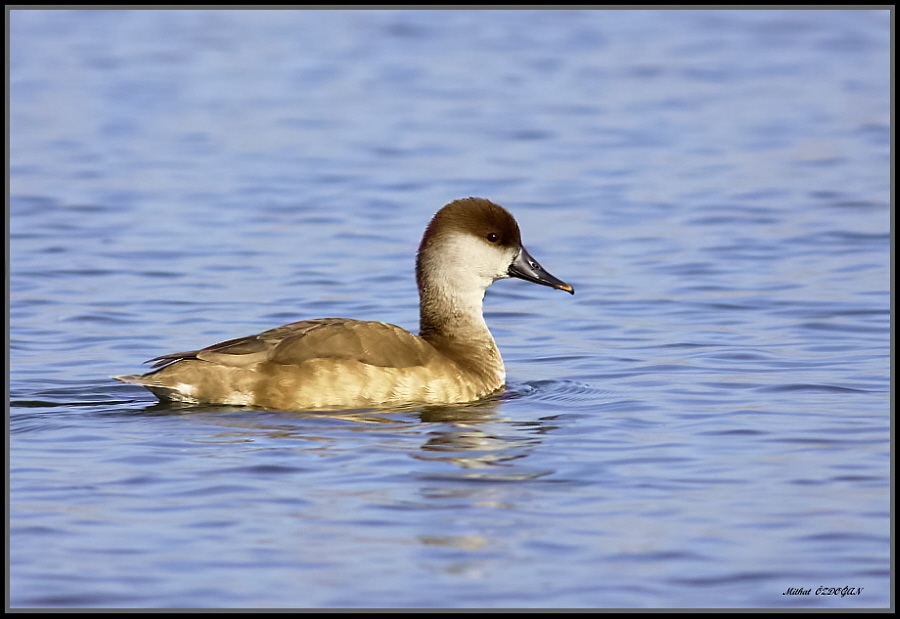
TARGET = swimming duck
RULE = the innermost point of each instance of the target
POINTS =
(330, 363)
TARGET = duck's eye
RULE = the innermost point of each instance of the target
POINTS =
(493, 237)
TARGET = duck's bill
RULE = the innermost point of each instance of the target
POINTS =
(527, 268)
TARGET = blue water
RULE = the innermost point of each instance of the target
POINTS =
(705, 424)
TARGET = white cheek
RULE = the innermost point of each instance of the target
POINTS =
(471, 256)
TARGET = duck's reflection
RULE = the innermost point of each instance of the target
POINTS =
(452, 480)
(476, 439)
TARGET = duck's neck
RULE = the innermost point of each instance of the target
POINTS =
(452, 311)
(451, 319)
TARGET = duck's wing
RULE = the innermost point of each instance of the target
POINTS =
(244, 351)
(372, 343)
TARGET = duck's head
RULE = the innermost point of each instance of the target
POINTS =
(471, 243)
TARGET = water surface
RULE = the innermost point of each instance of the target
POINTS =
(706, 423)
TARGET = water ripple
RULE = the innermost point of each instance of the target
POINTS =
(704, 424)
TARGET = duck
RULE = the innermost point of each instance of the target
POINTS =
(342, 363)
